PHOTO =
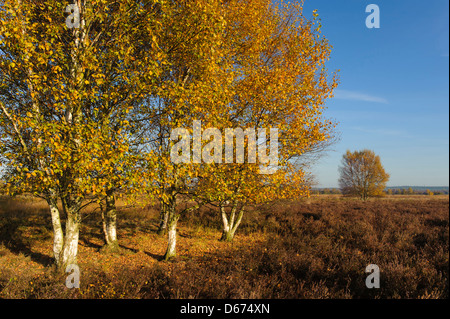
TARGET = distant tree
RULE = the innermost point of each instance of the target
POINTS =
(362, 174)
(429, 193)
(389, 191)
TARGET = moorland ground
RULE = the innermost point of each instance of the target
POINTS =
(316, 248)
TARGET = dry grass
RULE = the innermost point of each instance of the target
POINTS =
(312, 249)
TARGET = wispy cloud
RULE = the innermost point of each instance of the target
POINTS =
(357, 96)
(382, 131)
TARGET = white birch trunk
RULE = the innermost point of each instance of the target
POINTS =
(171, 236)
(238, 222)
(70, 248)
(58, 236)
(172, 242)
(111, 235)
(226, 226)
(110, 223)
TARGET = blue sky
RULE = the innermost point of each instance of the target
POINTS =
(393, 96)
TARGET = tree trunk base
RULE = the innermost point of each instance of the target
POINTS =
(227, 237)
(112, 248)
(161, 231)
(169, 257)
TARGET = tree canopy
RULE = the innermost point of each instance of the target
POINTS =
(362, 174)
(88, 110)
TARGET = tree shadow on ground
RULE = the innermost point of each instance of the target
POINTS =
(11, 237)
(155, 256)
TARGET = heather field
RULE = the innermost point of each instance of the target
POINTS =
(317, 248)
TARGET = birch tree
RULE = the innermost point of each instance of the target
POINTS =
(362, 174)
(62, 87)
(189, 88)
(279, 82)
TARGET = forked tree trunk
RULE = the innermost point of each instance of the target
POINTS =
(230, 225)
(109, 216)
(172, 219)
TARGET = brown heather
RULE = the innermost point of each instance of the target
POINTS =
(314, 249)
